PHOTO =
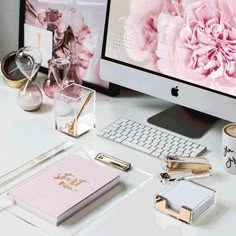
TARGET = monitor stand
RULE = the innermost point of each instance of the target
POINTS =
(184, 121)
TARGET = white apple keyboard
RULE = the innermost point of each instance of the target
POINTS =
(152, 141)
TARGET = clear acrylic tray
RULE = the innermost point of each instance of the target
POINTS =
(130, 181)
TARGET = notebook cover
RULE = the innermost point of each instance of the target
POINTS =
(63, 185)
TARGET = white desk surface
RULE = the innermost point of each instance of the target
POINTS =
(25, 135)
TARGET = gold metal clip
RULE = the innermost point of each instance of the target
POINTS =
(113, 161)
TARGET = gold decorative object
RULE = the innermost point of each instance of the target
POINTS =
(10, 72)
(184, 214)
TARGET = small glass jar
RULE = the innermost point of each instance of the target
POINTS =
(74, 109)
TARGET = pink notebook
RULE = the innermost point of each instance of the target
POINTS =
(64, 188)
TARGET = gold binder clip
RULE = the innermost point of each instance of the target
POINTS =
(187, 164)
(184, 214)
(114, 162)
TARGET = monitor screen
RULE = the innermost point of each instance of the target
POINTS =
(174, 45)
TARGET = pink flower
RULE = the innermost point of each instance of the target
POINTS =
(201, 46)
(141, 26)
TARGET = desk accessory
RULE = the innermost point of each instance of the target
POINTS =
(64, 188)
(167, 178)
(187, 164)
(79, 102)
(130, 181)
(28, 60)
(186, 201)
(113, 161)
(229, 148)
(11, 73)
(73, 126)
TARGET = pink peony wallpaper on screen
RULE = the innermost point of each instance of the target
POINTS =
(192, 40)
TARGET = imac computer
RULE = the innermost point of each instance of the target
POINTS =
(180, 51)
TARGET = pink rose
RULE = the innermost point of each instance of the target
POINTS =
(201, 46)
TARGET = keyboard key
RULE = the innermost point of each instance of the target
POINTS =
(179, 153)
(147, 146)
(112, 137)
(118, 140)
(134, 141)
(156, 154)
(193, 154)
(152, 148)
(151, 141)
(165, 153)
(202, 148)
(141, 143)
(135, 146)
(194, 145)
(123, 120)
(106, 135)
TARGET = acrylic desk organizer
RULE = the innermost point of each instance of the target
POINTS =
(186, 201)
(130, 181)
(74, 109)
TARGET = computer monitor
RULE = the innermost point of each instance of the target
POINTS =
(180, 51)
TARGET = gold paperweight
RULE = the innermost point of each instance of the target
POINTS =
(186, 201)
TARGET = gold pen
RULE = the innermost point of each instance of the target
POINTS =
(72, 126)
(85, 103)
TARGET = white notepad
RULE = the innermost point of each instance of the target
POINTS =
(191, 195)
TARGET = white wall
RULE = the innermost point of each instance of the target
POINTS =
(9, 22)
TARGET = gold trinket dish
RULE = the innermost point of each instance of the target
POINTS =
(10, 72)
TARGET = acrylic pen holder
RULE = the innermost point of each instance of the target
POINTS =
(74, 109)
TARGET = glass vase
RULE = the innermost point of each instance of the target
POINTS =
(73, 75)
(57, 75)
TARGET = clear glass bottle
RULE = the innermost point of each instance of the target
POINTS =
(57, 75)
(73, 75)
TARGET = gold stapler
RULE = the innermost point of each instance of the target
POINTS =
(187, 164)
